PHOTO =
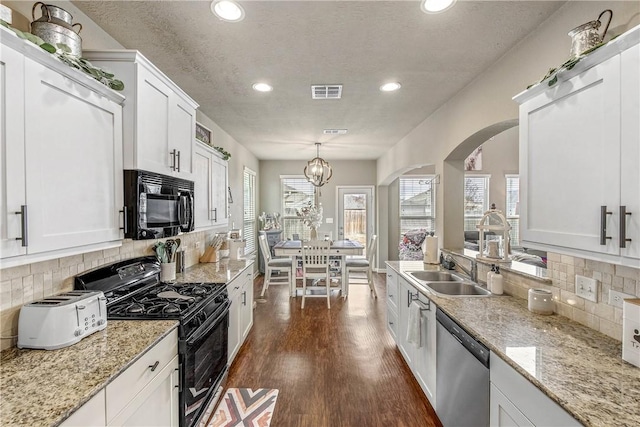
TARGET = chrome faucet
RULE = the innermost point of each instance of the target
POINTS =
(472, 272)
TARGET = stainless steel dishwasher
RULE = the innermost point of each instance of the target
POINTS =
(462, 376)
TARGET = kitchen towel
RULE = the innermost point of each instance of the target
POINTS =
(413, 329)
(431, 250)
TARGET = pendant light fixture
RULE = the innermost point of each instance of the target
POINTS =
(318, 171)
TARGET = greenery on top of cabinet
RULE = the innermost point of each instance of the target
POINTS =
(63, 53)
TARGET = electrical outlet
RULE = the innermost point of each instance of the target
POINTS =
(615, 298)
(197, 244)
(587, 288)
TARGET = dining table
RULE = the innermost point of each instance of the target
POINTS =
(339, 249)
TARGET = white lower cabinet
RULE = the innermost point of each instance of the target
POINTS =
(422, 359)
(392, 305)
(145, 394)
(240, 291)
(517, 402)
(91, 414)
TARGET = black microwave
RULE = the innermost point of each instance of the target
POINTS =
(156, 205)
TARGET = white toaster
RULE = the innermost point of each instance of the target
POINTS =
(61, 320)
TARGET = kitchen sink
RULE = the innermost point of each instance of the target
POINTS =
(444, 283)
(457, 289)
(436, 276)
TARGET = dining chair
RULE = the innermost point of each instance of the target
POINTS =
(364, 265)
(315, 266)
(273, 265)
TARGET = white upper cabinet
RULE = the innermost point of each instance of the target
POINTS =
(210, 179)
(579, 157)
(159, 118)
(62, 171)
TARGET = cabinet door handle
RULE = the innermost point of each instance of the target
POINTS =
(215, 214)
(178, 156)
(244, 298)
(173, 159)
(124, 219)
(23, 225)
(154, 366)
(603, 225)
(623, 226)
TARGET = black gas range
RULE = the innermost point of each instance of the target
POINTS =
(134, 291)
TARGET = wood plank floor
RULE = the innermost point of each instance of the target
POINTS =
(337, 367)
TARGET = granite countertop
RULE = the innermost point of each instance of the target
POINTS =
(222, 271)
(44, 387)
(577, 367)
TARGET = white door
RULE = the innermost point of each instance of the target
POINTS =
(355, 214)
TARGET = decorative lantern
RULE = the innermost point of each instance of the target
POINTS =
(494, 247)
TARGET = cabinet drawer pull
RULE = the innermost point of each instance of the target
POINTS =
(391, 323)
(623, 227)
(154, 366)
(23, 225)
(603, 225)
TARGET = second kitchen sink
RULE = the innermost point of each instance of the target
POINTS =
(436, 276)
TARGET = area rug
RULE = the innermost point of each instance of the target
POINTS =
(245, 407)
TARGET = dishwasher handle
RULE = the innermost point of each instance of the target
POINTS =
(476, 348)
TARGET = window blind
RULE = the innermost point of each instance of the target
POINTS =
(512, 207)
(417, 203)
(249, 223)
(296, 193)
(476, 200)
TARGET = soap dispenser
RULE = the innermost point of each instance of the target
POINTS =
(490, 275)
(497, 283)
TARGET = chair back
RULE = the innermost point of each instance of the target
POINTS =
(315, 253)
(371, 249)
(264, 248)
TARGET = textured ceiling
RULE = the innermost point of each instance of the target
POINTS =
(294, 44)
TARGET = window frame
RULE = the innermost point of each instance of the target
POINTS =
(430, 180)
(467, 219)
(513, 219)
(309, 191)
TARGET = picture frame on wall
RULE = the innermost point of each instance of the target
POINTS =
(203, 134)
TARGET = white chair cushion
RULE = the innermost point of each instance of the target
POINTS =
(280, 262)
(357, 262)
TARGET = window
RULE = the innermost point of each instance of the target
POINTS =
(476, 200)
(417, 203)
(249, 222)
(513, 207)
(296, 192)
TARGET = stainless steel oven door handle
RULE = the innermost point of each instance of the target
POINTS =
(204, 330)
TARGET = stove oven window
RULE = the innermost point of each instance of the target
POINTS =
(205, 365)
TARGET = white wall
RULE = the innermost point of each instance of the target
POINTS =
(361, 172)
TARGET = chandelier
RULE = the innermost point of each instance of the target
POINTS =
(318, 171)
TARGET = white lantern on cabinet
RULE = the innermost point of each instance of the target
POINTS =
(493, 231)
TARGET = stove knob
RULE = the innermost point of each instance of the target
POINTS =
(100, 322)
(78, 332)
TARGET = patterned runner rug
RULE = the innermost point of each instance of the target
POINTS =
(245, 407)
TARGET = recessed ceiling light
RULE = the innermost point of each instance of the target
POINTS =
(390, 87)
(436, 6)
(227, 10)
(262, 87)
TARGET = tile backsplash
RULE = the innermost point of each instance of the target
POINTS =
(562, 269)
(31, 282)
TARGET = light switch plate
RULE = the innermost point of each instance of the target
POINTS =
(615, 298)
(329, 220)
(587, 288)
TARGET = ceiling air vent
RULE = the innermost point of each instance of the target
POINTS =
(326, 91)
(334, 131)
